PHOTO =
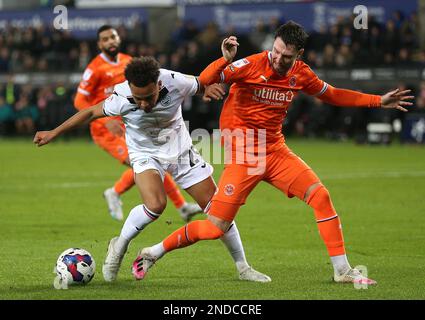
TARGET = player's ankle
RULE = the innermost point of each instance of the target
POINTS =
(242, 266)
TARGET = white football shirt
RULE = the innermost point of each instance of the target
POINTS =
(161, 133)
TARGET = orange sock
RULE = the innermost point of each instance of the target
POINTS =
(173, 191)
(125, 182)
(327, 221)
(192, 233)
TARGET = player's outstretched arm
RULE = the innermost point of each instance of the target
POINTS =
(44, 137)
(349, 98)
(396, 99)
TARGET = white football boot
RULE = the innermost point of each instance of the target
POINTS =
(114, 203)
(112, 263)
(250, 274)
(353, 276)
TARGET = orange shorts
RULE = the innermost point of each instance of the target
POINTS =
(112, 144)
(283, 169)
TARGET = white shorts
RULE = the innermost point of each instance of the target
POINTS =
(186, 172)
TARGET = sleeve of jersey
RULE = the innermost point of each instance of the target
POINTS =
(349, 98)
(211, 74)
(338, 97)
(81, 101)
(85, 90)
(113, 105)
(188, 85)
(221, 71)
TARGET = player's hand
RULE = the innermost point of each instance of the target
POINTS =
(214, 91)
(229, 47)
(43, 137)
(114, 126)
(396, 99)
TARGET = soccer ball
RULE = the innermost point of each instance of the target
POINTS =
(75, 266)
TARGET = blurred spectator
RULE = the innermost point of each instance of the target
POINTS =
(4, 59)
(40, 49)
(420, 100)
(7, 116)
(26, 113)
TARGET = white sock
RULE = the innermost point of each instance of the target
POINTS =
(340, 264)
(232, 240)
(137, 220)
(158, 250)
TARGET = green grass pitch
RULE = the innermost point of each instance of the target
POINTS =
(51, 200)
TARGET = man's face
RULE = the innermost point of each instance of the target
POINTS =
(284, 56)
(109, 42)
(146, 97)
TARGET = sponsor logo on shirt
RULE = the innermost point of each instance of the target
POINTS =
(272, 96)
(240, 63)
(144, 162)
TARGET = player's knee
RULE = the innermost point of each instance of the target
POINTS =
(311, 190)
(320, 200)
(221, 224)
(203, 230)
(156, 205)
(215, 231)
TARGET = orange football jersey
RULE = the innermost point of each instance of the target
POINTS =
(97, 83)
(259, 98)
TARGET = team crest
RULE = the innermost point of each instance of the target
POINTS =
(166, 100)
(229, 189)
(293, 81)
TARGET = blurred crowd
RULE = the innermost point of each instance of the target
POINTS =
(26, 108)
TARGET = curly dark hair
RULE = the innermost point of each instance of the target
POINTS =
(142, 71)
(292, 33)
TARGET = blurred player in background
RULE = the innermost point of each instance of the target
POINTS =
(263, 86)
(99, 78)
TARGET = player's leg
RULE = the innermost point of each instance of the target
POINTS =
(112, 195)
(117, 148)
(216, 226)
(208, 229)
(150, 185)
(186, 210)
(329, 225)
(294, 177)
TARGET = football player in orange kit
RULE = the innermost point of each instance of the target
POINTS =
(263, 85)
(99, 79)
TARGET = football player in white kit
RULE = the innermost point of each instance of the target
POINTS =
(149, 102)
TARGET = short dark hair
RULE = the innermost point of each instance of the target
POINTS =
(292, 33)
(142, 71)
(103, 28)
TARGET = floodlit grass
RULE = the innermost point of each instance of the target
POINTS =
(51, 199)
